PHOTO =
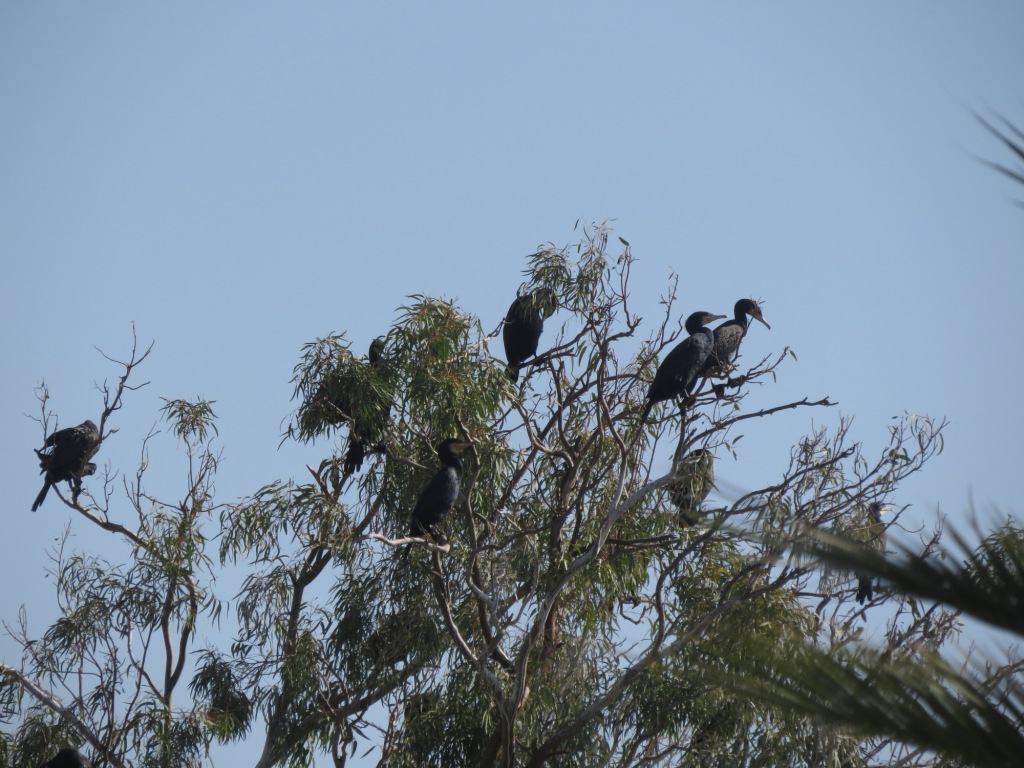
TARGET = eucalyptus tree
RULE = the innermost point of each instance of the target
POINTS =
(570, 620)
(110, 672)
(567, 617)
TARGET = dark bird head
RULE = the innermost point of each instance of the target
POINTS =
(752, 308)
(451, 447)
(876, 510)
(68, 758)
(698, 320)
(376, 349)
(545, 301)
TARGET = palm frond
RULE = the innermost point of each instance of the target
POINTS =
(911, 695)
(986, 582)
(1013, 138)
(926, 702)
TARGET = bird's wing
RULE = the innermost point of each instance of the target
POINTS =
(60, 436)
(727, 341)
(675, 360)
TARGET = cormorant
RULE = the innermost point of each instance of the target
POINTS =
(441, 493)
(523, 326)
(365, 431)
(68, 457)
(67, 758)
(691, 484)
(678, 372)
(872, 534)
(341, 402)
(728, 337)
(376, 350)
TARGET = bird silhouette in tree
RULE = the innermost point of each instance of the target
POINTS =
(524, 323)
(65, 457)
(67, 758)
(439, 496)
(677, 375)
(871, 533)
(693, 481)
(728, 337)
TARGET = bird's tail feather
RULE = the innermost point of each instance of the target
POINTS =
(41, 497)
(647, 412)
(865, 590)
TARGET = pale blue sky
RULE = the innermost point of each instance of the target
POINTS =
(240, 178)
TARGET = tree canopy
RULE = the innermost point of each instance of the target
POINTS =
(577, 615)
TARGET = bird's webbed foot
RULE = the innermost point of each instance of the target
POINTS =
(720, 371)
(729, 383)
(736, 382)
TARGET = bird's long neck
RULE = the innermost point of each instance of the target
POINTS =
(694, 328)
(703, 330)
(741, 317)
(452, 460)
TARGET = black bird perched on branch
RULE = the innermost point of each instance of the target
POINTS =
(441, 493)
(871, 533)
(679, 371)
(365, 431)
(523, 326)
(65, 456)
(691, 484)
(728, 337)
(376, 350)
(67, 758)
